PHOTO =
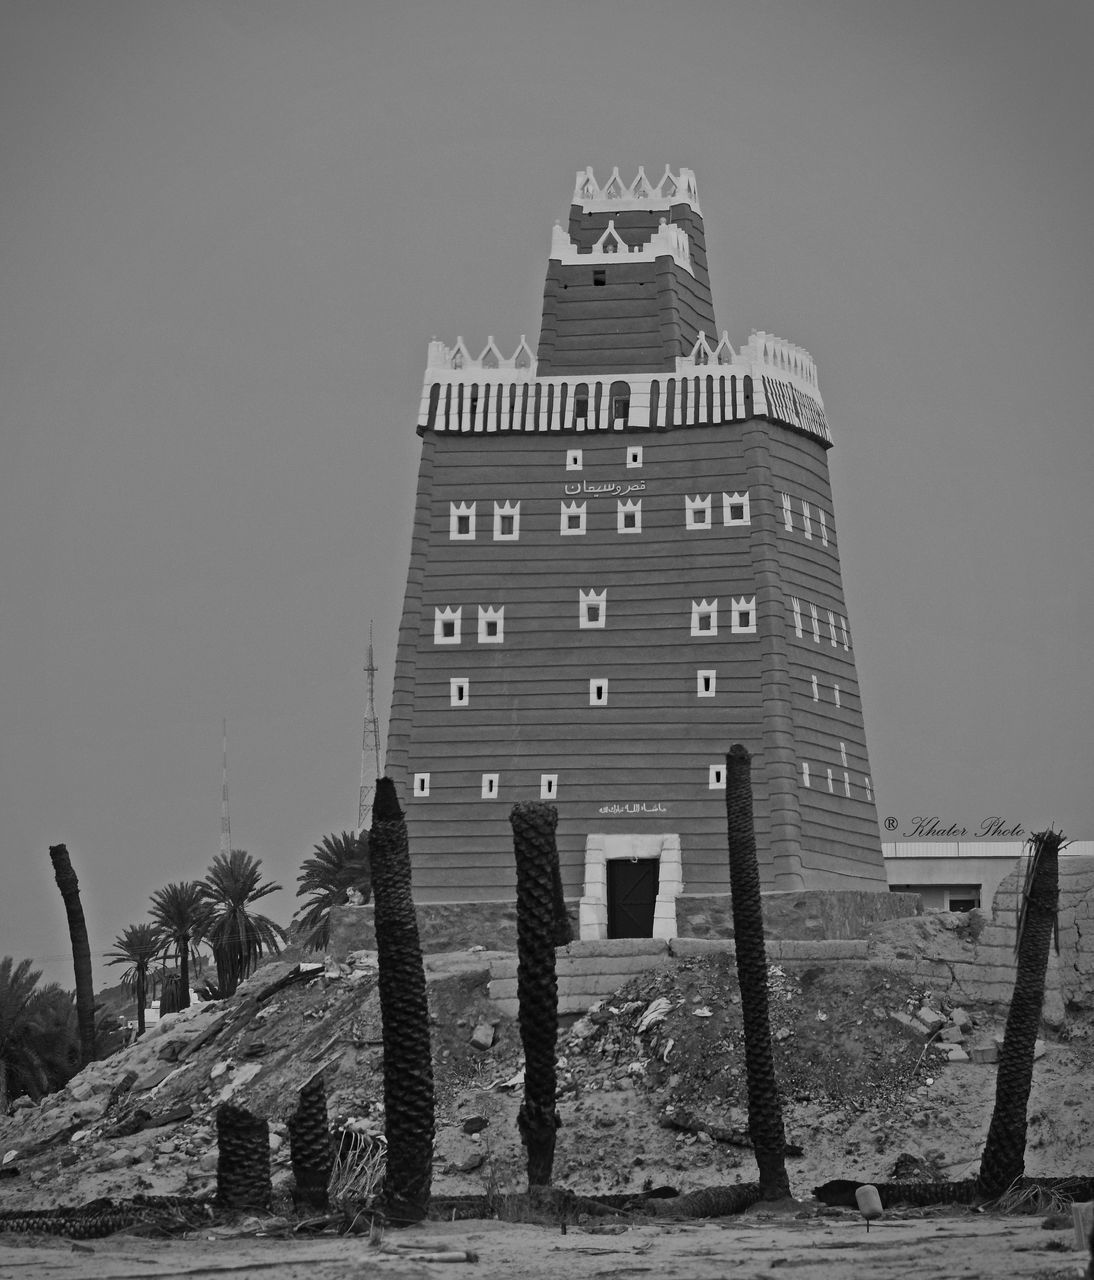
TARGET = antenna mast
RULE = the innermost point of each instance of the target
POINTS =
(370, 736)
(225, 823)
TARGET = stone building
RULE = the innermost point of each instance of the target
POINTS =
(625, 559)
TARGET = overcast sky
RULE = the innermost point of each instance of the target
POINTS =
(228, 230)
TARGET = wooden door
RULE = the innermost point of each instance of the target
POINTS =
(632, 892)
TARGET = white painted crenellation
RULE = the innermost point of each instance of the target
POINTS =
(678, 188)
(668, 241)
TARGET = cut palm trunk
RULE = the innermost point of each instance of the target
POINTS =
(765, 1117)
(310, 1148)
(539, 907)
(408, 1067)
(1003, 1162)
(81, 949)
(243, 1159)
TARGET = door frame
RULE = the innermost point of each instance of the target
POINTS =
(601, 848)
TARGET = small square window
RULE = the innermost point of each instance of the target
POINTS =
(506, 521)
(704, 617)
(742, 616)
(421, 784)
(446, 625)
(705, 683)
(735, 508)
(600, 276)
(598, 693)
(490, 786)
(548, 786)
(697, 512)
(628, 515)
(459, 691)
(571, 516)
(573, 460)
(634, 456)
(592, 607)
(581, 409)
(621, 407)
(717, 777)
(491, 624)
(461, 521)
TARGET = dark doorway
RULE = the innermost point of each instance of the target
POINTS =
(632, 892)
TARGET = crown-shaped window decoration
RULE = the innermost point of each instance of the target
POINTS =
(458, 357)
(678, 188)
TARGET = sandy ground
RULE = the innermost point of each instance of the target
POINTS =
(826, 1248)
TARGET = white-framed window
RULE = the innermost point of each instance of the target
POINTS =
(843, 628)
(823, 526)
(831, 788)
(490, 786)
(832, 627)
(461, 521)
(506, 521)
(742, 615)
(815, 688)
(869, 790)
(807, 519)
(735, 508)
(573, 459)
(704, 617)
(697, 511)
(548, 786)
(592, 607)
(815, 619)
(491, 624)
(706, 683)
(835, 693)
(421, 784)
(571, 518)
(446, 624)
(598, 692)
(716, 780)
(846, 783)
(796, 605)
(843, 754)
(459, 691)
(634, 456)
(628, 515)
(805, 774)
(788, 517)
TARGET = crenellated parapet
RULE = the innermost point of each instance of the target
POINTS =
(767, 378)
(674, 188)
(669, 240)
(457, 357)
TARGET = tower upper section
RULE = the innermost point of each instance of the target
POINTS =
(627, 288)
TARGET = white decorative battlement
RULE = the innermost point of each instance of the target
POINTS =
(783, 357)
(522, 360)
(668, 240)
(679, 188)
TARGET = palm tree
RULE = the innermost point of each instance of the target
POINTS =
(81, 949)
(181, 913)
(138, 946)
(338, 864)
(238, 935)
(21, 1067)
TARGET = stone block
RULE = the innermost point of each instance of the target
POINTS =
(911, 1027)
(960, 1019)
(984, 1053)
(955, 1053)
(482, 1038)
(951, 1035)
(701, 946)
(931, 1018)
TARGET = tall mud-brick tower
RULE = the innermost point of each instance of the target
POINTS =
(624, 561)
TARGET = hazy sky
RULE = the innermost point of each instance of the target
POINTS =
(228, 230)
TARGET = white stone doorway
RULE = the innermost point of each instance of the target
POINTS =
(600, 849)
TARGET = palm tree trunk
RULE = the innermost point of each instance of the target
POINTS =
(408, 1065)
(141, 994)
(1005, 1149)
(765, 1118)
(184, 973)
(81, 949)
(539, 906)
(310, 1148)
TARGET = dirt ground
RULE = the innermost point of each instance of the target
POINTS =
(651, 1095)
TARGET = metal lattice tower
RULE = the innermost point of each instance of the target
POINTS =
(225, 823)
(369, 734)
